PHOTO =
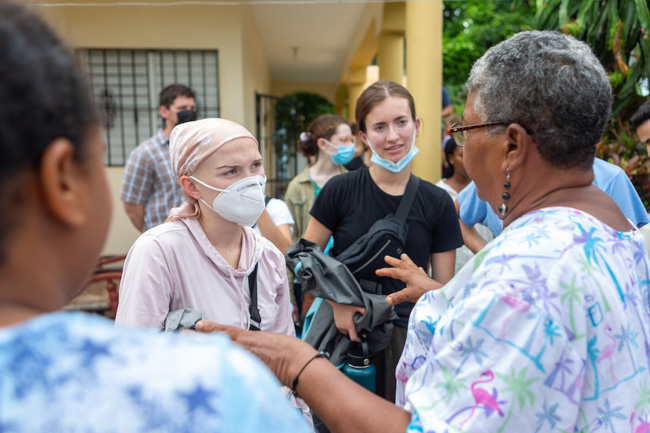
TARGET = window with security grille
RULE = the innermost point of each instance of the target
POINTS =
(126, 84)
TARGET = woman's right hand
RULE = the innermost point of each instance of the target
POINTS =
(416, 279)
(284, 355)
(344, 319)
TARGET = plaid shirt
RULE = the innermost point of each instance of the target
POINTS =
(148, 181)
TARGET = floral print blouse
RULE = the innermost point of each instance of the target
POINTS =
(547, 329)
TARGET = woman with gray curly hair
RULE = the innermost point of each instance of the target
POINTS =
(548, 328)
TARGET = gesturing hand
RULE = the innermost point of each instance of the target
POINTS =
(416, 279)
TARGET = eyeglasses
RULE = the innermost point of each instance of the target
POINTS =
(457, 130)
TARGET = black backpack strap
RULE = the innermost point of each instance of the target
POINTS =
(407, 199)
(253, 310)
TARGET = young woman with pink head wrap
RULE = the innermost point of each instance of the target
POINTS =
(192, 144)
(202, 256)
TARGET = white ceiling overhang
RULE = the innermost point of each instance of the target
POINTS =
(308, 42)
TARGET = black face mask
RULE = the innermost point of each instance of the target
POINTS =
(186, 116)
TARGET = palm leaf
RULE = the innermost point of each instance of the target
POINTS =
(644, 14)
(563, 15)
(585, 8)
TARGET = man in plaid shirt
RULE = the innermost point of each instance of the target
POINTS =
(149, 190)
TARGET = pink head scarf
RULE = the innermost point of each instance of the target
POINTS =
(192, 143)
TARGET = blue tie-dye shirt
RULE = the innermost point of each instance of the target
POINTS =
(546, 330)
(71, 372)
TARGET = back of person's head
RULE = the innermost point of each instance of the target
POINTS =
(552, 85)
(173, 91)
(375, 94)
(641, 115)
(450, 147)
(44, 96)
(354, 127)
(324, 126)
(452, 120)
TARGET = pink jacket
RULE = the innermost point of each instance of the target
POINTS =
(174, 266)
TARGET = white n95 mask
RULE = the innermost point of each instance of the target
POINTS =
(242, 202)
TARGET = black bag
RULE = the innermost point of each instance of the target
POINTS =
(386, 237)
(253, 309)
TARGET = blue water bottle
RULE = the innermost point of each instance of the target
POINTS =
(359, 368)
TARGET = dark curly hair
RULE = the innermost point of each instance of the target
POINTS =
(44, 96)
(450, 147)
(640, 117)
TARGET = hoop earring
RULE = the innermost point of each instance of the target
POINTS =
(503, 209)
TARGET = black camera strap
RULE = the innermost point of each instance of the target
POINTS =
(253, 310)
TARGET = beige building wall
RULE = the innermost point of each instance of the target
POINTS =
(228, 29)
(243, 67)
(255, 67)
(121, 233)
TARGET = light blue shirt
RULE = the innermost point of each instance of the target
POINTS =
(72, 372)
(608, 177)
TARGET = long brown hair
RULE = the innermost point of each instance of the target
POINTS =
(324, 126)
(376, 93)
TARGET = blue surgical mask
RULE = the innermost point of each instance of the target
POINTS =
(398, 166)
(343, 155)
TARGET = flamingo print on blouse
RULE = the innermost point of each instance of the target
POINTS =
(482, 397)
(644, 427)
(517, 305)
(411, 367)
(608, 351)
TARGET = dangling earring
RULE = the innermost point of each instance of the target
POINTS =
(503, 209)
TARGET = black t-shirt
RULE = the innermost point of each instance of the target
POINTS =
(350, 203)
(355, 164)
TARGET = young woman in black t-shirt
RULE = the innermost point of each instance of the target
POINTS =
(349, 204)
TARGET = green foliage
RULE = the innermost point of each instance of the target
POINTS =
(621, 146)
(470, 28)
(298, 110)
(293, 114)
(617, 32)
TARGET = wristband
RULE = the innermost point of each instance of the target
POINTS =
(294, 384)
